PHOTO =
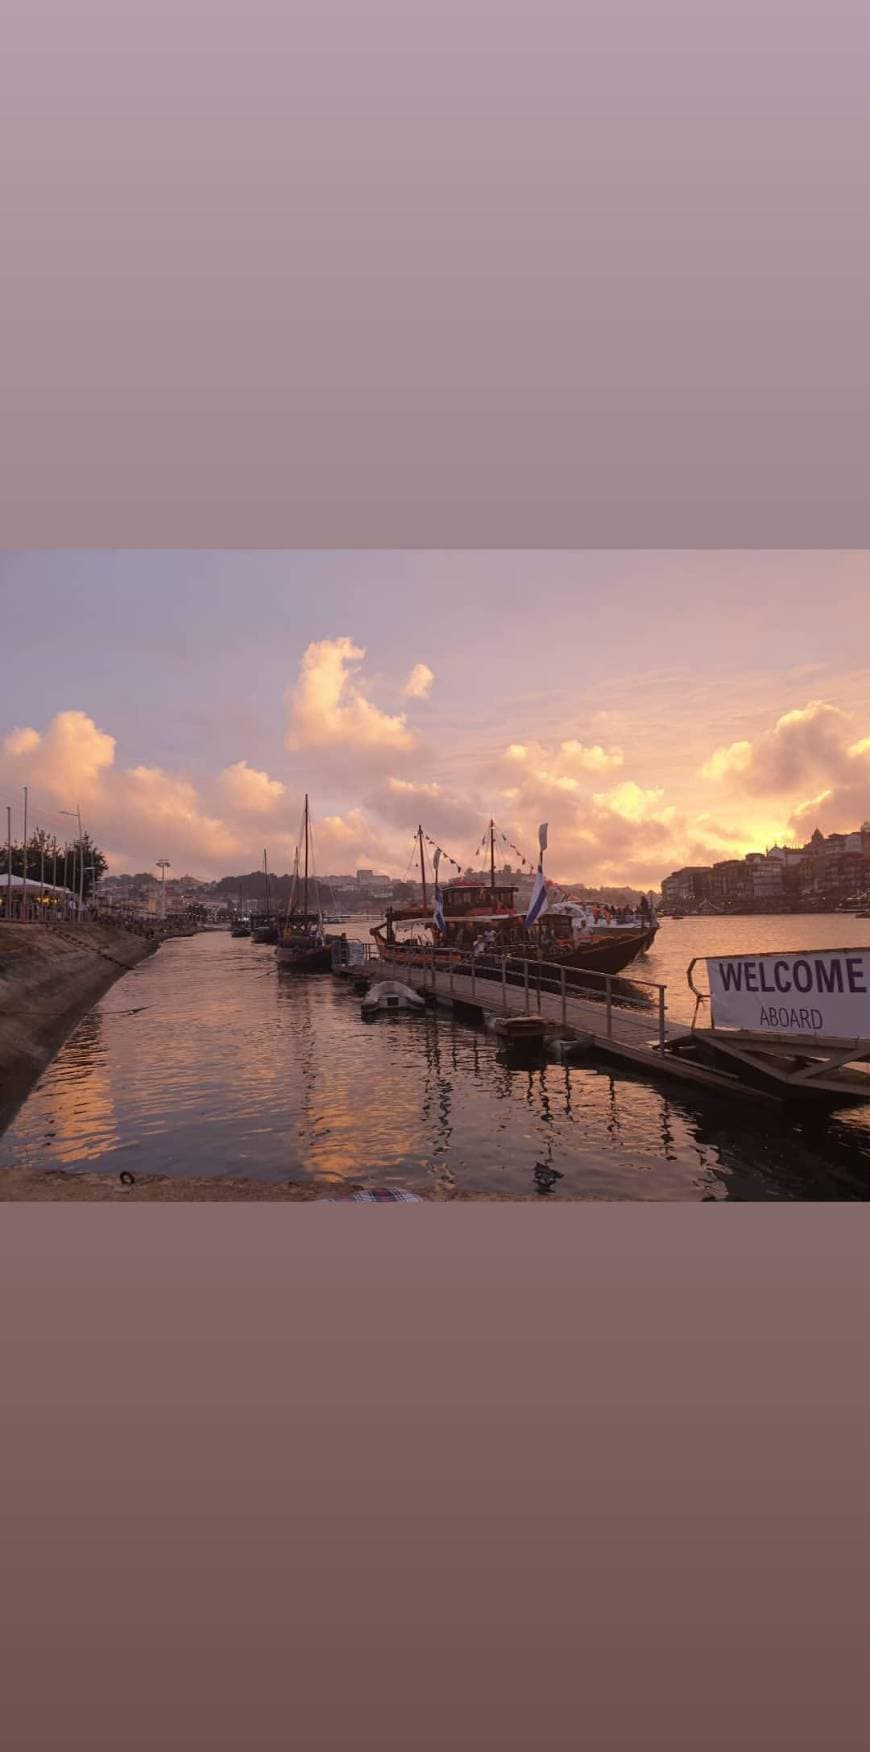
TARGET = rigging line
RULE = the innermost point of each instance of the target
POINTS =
(446, 855)
(410, 857)
(557, 886)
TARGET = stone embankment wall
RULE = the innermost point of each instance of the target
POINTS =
(50, 976)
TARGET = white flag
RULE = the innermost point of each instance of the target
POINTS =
(542, 835)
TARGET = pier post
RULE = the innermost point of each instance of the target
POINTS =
(563, 981)
(609, 990)
(450, 969)
(473, 968)
(526, 981)
(504, 983)
(540, 977)
(662, 990)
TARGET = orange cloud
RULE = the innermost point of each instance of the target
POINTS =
(809, 743)
(69, 760)
(419, 682)
(328, 708)
(558, 765)
(813, 746)
(249, 790)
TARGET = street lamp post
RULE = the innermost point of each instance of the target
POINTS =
(77, 816)
(163, 865)
(24, 885)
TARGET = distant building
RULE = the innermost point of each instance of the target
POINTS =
(829, 870)
(684, 887)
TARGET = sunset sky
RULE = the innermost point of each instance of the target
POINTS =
(655, 708)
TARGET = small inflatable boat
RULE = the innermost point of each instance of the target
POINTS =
(389, 995)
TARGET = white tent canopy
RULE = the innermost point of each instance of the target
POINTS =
(34, 886)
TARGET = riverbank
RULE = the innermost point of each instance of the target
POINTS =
(50, 976)
(29, 1185)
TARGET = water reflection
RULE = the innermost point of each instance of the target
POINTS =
(205, 1059)
(79, 1111)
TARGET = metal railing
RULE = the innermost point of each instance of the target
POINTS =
(633, 1007)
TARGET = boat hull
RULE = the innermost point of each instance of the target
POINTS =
(302, 957)
(605, 955)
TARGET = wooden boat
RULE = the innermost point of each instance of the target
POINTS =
(240, 929)
(389, 995)
(303, 946)
(520, 1030)
(481, 921)
(302, 949)
(265, 929)
(265, 932)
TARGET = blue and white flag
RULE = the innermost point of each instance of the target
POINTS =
(538, 902)
(438, 911)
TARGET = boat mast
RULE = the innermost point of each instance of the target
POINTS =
(305, 888)
(268, 894)
(422, 863)
(492, 860)
(293, 897)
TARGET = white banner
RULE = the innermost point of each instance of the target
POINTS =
(824, 992)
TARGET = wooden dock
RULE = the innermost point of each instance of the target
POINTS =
(621, 1019)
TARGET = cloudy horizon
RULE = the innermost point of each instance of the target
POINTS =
(656, 708)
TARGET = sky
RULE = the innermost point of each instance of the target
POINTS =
(654, 708)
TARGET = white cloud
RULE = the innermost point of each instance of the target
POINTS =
(419, 682)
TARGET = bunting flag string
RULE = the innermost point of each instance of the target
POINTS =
(531, 866)
(442, 854)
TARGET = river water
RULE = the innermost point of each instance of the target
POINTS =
(207, 1059)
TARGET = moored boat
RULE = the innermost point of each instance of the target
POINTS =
(265, 932)
(480, 920)
(265, 927)
(390, 995)
(302, 945)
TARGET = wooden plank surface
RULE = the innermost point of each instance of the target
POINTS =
(634, 1026)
